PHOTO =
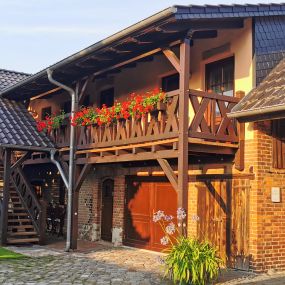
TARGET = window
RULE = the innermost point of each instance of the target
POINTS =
(278, 141)
(170, 83)
(107, 97)
(220, 77)
(46, 112)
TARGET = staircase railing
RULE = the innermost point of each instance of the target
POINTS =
(36, 208)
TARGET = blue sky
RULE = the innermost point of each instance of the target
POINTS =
(37, 33)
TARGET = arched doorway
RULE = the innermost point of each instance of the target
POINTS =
(107, 209)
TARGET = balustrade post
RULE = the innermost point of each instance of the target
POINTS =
(42, 222)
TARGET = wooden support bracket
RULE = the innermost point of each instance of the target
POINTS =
(82, 176)
(172, 177)
(171, 56)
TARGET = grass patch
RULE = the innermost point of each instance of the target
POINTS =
(8, 254)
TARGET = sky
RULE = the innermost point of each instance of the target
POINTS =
(37, 33)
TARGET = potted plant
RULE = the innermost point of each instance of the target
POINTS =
(188, 260)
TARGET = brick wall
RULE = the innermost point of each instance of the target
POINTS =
(267, 219)
(118, 210)
(89, 208)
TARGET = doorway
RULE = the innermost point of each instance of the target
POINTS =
(107, 209)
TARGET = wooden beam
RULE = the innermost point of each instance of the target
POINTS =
(21, 159)
(82, 93)
(82, 176)
(171, 56)
(172, 177)
(129, 157)
(46, 93)
(183, 115)
(239, 157)
(6, 195)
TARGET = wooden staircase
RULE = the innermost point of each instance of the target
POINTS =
(21, 228)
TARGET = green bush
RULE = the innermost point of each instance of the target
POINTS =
(190, 261)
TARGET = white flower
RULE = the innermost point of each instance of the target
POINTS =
(158, 216)
(170, 229)
(168, 218)
(164, 240)
(181, 214)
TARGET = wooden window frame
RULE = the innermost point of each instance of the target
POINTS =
(278, 144)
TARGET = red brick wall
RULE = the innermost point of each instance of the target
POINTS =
(267, 235)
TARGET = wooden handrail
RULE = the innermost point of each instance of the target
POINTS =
(27, 196)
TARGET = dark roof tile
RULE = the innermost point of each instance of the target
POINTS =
(9, 78)
(270, 92)
(18, 127)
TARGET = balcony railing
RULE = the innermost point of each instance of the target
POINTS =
(207, 121)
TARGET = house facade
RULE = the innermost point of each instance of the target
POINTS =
(189, 153)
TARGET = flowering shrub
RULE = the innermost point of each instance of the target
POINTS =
(137, 106)
(188, 260)
(50, 123)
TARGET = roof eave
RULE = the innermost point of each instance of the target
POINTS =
(266, 113)
(164, 14)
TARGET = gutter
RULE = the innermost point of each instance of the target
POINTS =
(70, 182)
(261, 111)
(99, 45)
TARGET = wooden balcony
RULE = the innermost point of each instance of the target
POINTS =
(156, 135)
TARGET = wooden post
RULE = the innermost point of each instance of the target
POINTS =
(239, 156)
(6, 195)
(183, 115)
(42, 229)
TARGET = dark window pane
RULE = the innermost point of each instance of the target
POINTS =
(107, 97)
(220, 77)
(46, 112)
(170, 83)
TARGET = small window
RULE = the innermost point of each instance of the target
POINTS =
(170, 83)
(107, 97)
(220, 77)
(278, 144)
(46, 112)
(66, 107)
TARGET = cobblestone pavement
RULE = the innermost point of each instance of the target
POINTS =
(106, 265)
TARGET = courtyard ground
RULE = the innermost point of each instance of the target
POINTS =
(103, 265)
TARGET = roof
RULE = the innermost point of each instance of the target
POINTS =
(18, 128)
(266, 101)
(167, 26)
(9, 78)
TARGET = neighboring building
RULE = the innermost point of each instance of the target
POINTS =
(224, 177)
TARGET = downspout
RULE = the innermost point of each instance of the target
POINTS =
(74, 103)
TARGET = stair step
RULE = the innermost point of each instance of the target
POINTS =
(19, 220)
(22, 234)
(22, 240)
(20, 227)
(18, 214)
